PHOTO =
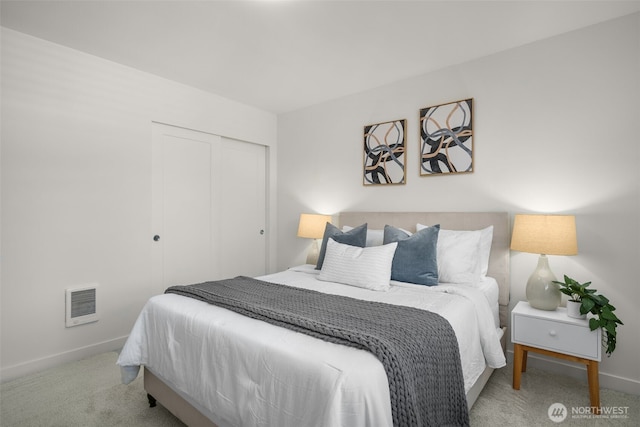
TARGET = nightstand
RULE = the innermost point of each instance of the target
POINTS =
(553, 333)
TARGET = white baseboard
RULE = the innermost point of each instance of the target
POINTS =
(579, 372)
(16, 371)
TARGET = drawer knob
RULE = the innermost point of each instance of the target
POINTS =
(552, 333)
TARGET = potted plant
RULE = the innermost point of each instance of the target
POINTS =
(575, 291)
(598, 305)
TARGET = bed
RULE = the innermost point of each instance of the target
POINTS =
(214, 367)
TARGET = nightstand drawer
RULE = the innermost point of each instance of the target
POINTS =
(556, 336)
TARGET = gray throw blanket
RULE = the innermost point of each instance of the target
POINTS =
(417, 348)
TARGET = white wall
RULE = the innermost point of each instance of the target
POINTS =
(76, 191)
(555, 132)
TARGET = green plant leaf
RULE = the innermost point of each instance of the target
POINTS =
(587, 305)
(610, 328)
(608, 314)
(598, 305)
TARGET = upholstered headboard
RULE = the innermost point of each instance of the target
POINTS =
(499, 259)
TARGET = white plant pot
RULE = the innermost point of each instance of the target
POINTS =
(573, 310)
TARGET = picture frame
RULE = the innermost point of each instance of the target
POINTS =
(446, 138)
(384, 153)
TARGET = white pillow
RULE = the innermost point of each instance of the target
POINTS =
(368, 268)
(486, 238)
(463, 255)
(458, 257)
(374, 237)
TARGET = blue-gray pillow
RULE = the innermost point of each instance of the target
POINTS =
(354, 237)
(415, 260)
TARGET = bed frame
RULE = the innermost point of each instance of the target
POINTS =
(158, 390)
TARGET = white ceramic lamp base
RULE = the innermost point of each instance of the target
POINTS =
(541, 292)
(314, 253)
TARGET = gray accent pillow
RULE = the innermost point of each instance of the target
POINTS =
(354, 237)
(415, 260)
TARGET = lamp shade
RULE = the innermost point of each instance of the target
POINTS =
(545, 234)
(311, 226)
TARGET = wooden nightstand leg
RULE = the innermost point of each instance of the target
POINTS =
(517, 365)
(594, 385)
(525, 355)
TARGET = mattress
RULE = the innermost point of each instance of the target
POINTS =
(244, 372)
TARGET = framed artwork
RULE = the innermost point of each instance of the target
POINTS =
(446, 138)
(384, 153)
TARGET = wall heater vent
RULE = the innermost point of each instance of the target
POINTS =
(81, 306)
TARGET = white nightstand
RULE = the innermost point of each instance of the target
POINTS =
(553, 333)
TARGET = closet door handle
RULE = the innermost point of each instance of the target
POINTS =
(156, 238)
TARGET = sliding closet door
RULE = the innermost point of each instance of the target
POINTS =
(241, 208)
(198, 200)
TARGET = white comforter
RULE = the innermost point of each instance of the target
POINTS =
(244, 372)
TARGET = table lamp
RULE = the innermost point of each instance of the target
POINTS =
(311, 226)
(544, 235)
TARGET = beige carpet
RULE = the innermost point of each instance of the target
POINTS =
(83, 394)
(88, 393)
(500, 405)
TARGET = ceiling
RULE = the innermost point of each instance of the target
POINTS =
(284, 55)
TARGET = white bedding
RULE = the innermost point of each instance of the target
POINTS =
(245, 372)
(489, 287)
